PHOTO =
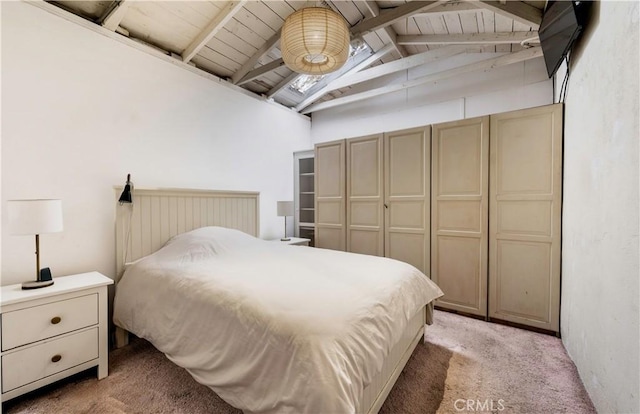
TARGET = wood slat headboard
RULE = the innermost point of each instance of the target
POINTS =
(156, 215)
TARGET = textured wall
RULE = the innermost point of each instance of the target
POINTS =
(600, 271)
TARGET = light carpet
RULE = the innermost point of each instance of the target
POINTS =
(466, 365)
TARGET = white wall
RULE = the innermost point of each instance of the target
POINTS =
(600, 270)
(80, 111)
(1, 204)
(517, 86)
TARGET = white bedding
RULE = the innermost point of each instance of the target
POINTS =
(271, 327)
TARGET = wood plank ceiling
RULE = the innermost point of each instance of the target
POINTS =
(239, 40)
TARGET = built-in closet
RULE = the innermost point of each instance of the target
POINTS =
(525, 202)
(460, 214)
(372, 195)
(330, 187)
(474, 203)
(407, 172)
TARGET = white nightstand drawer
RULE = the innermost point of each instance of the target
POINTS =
(50, 357)
(53, 332)
(32, 324)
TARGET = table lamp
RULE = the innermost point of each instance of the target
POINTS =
(285, 209)
(35, 217)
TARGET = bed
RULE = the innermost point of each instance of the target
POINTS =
(271, 328)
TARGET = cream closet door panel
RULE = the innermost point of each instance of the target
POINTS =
(407, 168)
(524, 216)
(459, 214)
(330, 195)
(365, 225)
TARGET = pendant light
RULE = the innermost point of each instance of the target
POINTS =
(315, 41)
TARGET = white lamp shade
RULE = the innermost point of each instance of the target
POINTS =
(285, 208)
(34, 216)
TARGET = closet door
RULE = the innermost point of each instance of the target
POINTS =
(330, 195)
(524, 216)
(407, 167)
(365, 225)
(459, 214)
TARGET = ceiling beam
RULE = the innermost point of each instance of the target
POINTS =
(218, 22)
(447, 8)
(484, 65)
(368, 61)
(398, 65)
(256, 73)
(389, 31)
(115, 16)
(357, 68)
(249, 64)
(470, 38)
(516, 10)
(388, 17)
(283, 84)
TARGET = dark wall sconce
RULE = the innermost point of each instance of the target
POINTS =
(126, 197)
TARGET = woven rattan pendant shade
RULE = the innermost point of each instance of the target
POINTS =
(315, 41)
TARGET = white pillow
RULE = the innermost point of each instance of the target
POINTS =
(206, 242)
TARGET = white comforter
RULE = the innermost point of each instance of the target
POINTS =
(270, 327)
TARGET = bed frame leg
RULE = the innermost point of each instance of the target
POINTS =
(122, 337)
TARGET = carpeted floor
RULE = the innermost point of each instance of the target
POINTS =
(466, 365)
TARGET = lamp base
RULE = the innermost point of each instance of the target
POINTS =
(36, 284)
(285, 239)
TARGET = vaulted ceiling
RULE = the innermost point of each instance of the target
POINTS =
(239, 40)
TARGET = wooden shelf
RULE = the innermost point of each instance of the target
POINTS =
(304, 177)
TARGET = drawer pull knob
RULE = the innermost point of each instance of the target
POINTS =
(56, 320)
(56, 358)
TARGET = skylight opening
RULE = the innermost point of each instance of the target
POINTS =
(358, 51)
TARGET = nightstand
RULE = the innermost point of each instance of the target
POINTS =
(53, 332)
(295, 241)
